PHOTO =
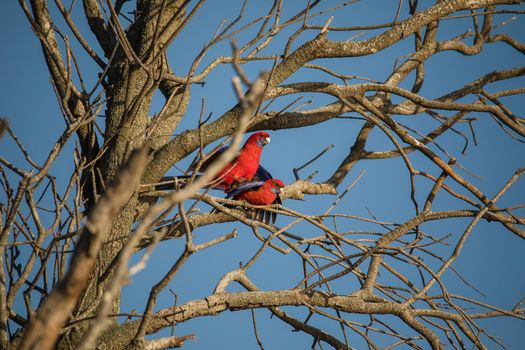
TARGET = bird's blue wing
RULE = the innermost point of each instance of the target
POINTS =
(262, 174)
(245, 186)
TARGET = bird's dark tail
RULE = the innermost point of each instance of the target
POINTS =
(265, 216)
(260, 215)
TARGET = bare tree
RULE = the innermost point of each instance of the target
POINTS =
(66, 251)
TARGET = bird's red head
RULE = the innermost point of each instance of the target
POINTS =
(260, 138)
(276, 183)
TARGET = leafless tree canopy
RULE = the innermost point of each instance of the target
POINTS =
(65, 250)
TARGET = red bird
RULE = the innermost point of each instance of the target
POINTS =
(243, 168)
(259, 193)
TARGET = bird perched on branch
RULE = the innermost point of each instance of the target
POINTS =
(241, 169)
(242, 179)
(258, 192)
(262, 190)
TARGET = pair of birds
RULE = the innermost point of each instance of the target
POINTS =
(245, 179)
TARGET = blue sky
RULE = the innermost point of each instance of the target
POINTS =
(492, 257)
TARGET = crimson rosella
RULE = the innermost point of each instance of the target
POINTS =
(241, 169)
(263, 190)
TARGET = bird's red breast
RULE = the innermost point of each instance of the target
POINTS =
(244, 167)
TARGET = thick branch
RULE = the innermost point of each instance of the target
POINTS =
(45, 326)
